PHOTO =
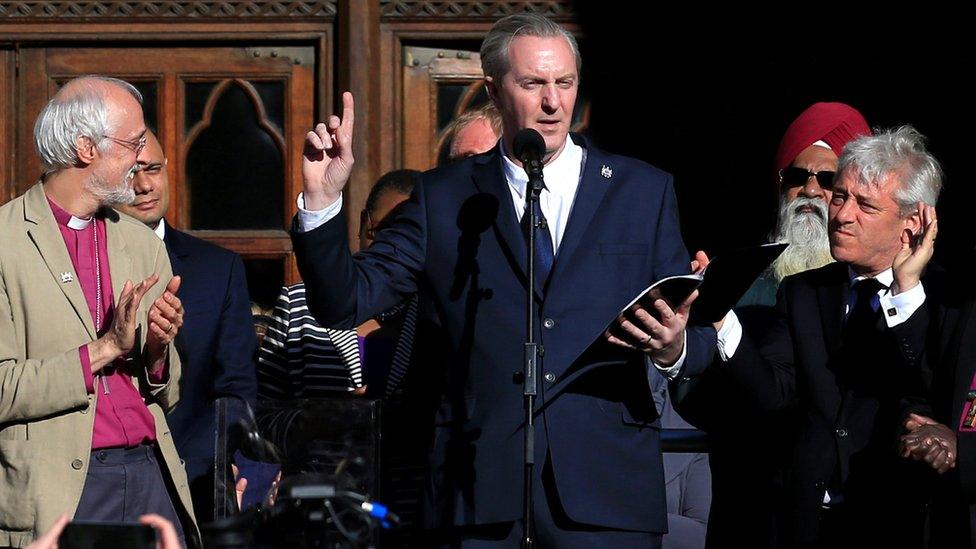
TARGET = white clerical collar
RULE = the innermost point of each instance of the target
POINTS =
(78, 223)
(160, 230)
(566, 164)
(885, 277)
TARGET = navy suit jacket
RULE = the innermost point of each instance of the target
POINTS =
(457, 241)
(217, 343)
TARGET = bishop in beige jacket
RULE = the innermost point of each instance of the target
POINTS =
(46, 411)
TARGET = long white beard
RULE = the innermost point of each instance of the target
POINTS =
(118, 195)
(806, 233)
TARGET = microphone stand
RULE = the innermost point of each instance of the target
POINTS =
(533, 350)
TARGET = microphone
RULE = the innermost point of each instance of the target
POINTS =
(529, 147)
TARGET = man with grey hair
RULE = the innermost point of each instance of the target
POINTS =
(460, 240)
(85, 378)
(841, 352)
(748, 488)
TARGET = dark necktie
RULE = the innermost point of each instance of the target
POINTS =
(863, 318)
(858, 360)
(544, 255)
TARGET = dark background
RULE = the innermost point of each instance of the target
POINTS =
(709, 102)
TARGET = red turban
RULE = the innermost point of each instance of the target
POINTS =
(833, 123)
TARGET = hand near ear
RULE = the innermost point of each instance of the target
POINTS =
(916, 251)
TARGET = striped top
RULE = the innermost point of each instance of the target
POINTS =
(301, 359)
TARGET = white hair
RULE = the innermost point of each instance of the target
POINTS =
(70, 116)
(806, 234)
(900, 151)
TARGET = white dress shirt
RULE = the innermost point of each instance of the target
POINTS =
(160, 230)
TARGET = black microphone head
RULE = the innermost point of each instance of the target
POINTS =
(528, 143)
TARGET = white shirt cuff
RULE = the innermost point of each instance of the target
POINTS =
(899, 308)
(671, 372)
(729, 336)
(309, 220)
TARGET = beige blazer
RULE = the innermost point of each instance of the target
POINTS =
(46, 413)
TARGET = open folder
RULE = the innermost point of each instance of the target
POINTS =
(720, 285)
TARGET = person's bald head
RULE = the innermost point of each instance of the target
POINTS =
(151, 185)
(474, 132)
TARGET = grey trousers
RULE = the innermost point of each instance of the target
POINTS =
(123, 484)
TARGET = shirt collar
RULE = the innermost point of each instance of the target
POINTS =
(885, 277)
(160, 230)
(65, 219)
(567, 162)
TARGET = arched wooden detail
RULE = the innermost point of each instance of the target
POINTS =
(199, 129)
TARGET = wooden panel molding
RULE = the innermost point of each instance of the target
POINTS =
(472, 9)
(180, 9)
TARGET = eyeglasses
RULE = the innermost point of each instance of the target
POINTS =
(370, 228)
(136, 145)
(797, 177)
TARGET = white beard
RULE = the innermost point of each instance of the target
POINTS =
(806, 233)
(119, 195)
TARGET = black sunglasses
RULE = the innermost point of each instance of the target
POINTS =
(797, 177)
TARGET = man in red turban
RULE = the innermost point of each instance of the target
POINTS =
(805, 166)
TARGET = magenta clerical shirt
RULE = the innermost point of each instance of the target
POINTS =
(121, 417)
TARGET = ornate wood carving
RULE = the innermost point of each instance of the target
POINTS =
(472, 9)
(139, 9)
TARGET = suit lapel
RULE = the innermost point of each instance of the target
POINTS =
(490, 178)
(177, 254)
(592, 188)
(174, 249)
(832, 298)
(119, 262)
(44, 233)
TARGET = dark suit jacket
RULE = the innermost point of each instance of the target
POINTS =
(217, 343)
(747, 487)
(846, 417)
(951, 354)
(457, 240)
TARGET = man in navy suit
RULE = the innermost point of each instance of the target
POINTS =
(217, 344)
(612, 229)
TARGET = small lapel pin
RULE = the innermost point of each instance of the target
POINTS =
(66, 277)
(606, 172)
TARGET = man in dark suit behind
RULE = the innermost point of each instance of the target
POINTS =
(598, 478)
(217, 344)
(942, 431)
(841, 352)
